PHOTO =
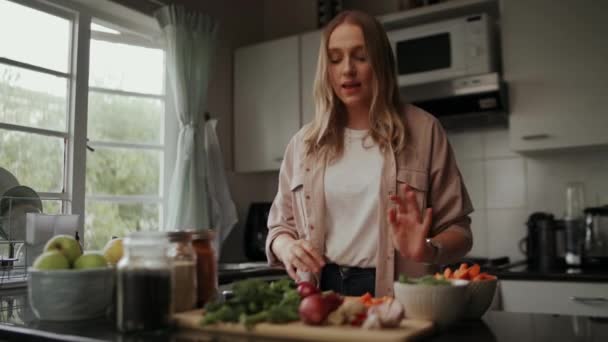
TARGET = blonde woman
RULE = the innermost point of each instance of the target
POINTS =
(370, 189)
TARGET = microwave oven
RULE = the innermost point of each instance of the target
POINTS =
(444, 50)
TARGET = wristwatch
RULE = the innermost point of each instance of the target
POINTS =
(436, 246)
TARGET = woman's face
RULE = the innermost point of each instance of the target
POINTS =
(350, 71)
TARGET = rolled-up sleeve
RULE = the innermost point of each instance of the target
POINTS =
(281, 217)
(448, 195)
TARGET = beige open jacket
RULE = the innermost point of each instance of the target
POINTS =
(427, 164)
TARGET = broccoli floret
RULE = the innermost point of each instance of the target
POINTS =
(213, 306)
(223, 314)
(256, 301)
(282, 314)
(250, 320)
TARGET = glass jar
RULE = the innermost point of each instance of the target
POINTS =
(183, 262)
(206, 273)
(143, 278)
(574, 223)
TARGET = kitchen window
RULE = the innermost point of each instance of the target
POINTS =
(125, 131)
(53, 117)
(35, 82)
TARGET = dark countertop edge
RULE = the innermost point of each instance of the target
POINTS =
(537, 276)
(227, 277)
(510, 272)
(13, 333)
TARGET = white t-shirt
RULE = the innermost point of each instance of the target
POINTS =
(352, 190)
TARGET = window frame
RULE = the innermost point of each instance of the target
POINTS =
(70, 15)
(138, 28)
(133, 40)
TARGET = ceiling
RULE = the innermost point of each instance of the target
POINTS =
(144, 6)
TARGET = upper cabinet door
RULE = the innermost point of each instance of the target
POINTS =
(309, 52)
(266, 103)
(555, 59)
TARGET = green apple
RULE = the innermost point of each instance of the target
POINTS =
(90, 260)
(52, 260)
(66, 245)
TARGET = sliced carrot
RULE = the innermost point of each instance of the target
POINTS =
(484, 276)
(461, 274)
(366, 297)
(380, 300)
(474, 271)
(447, 273)
(463, 267)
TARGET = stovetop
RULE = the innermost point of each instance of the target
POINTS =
(242, 266)
(230, 272)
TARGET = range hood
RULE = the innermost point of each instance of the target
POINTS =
(472, 101)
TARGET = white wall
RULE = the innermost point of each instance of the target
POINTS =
(245, 22)
(506, 187)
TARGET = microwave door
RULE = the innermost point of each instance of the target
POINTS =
(428, 54)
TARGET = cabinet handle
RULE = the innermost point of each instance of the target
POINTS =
(535, 136)
(589, 300)
(278, 160)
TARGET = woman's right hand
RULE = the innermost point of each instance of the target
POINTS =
(297, 255)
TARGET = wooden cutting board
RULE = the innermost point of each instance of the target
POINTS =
(408, 330)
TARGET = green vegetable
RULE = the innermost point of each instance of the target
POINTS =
(224, 314)
(424, 280)
(250, 320)
(256, 301)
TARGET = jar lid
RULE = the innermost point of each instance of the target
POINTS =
(180, 235)
(204, 234)
(146, 238)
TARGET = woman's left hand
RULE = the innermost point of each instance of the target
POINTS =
(409, 229)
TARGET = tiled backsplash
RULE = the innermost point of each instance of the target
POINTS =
(506, 187)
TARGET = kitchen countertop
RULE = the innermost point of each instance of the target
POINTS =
(522, 271)
(17, 323)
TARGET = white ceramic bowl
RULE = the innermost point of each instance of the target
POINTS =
(481, 293)
(66, 295)
(442, 304)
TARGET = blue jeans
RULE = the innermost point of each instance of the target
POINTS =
(348, 281)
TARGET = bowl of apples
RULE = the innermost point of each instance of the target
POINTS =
(65, 284)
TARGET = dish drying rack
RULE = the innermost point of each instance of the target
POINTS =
(15, 253)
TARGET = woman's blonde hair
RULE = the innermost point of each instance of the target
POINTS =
(325, 135)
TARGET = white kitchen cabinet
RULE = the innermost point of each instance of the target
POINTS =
(309, 52)
(554, 59)
(554, 297)
(266, 103)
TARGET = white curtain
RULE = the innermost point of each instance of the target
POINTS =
(223, 210)
(190, 42)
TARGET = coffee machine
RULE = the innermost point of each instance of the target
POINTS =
(544, 242)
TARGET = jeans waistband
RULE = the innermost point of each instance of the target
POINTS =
(346, 271)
